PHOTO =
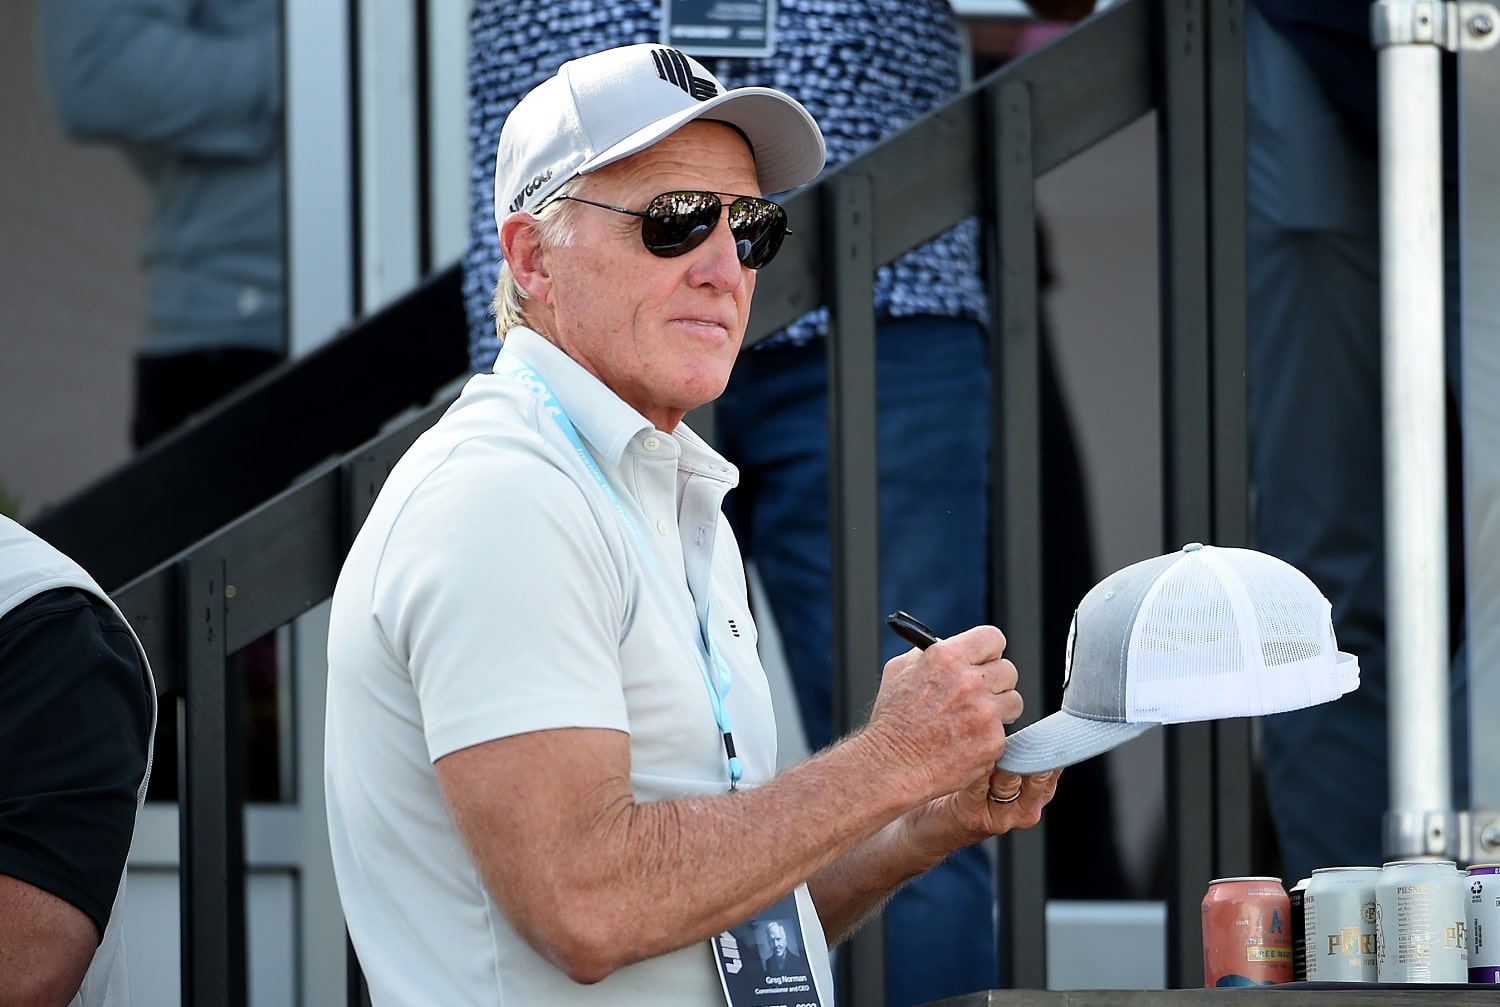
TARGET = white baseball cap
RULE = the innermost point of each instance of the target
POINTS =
(1204, 633)
(611, 104)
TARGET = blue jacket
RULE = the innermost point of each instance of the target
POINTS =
(191, 92)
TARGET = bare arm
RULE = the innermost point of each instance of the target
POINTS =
(852, 887)
(594, 880)
(46, 945)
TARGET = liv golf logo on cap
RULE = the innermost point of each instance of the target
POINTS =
(672, 67)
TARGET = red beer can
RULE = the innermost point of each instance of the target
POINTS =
(1247, 933)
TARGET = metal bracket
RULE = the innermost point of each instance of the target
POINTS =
(1484, 847)
(1465, 837)
(1426, 833)
(1465, 25)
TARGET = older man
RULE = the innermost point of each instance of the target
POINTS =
(551, 751)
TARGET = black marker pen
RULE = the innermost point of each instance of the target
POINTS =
(913, 630)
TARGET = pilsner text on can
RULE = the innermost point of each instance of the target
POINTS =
(1247, 934)
(1421, 923)
(1339, 922)
(1484, 923)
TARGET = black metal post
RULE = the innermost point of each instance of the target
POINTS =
(1225, 84)
(1187, 451)
(211, 812)
(854, 510)
(1015, 490)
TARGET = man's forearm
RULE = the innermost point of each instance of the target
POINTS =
(595, 880)
(595, 883)
(848, 890)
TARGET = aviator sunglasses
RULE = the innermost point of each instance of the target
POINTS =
(675, 223)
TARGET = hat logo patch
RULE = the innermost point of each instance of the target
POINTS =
(1068, 653)
(531, 186)
(672, 67)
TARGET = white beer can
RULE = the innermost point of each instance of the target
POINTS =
(1421, 923)
(1339, 919)
(1484, 923)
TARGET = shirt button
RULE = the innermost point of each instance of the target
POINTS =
(651, 443)
(663, 527)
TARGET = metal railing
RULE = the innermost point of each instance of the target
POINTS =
(263, 437)
(980, 154)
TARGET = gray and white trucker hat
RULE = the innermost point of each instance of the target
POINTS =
(1201, 634)
(608, 105)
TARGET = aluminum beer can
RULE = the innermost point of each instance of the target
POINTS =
(1421, 923)
(1484, 923)
(1247, 933)
(1339, 914)
(1299, 936)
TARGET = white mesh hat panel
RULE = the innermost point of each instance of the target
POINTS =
(1202, 634)
(1230, 633)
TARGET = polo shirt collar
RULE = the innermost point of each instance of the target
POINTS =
(602, 418)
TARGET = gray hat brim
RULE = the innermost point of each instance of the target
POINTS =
(1063, 739)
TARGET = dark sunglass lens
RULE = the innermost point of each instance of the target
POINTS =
(758, 225)
(678, 222)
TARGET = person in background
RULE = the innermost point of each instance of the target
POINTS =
(77, 711)
(190, 91)
(550, 757)
(1313, 261)
(836, 57)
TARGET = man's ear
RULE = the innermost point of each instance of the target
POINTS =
(520, 244)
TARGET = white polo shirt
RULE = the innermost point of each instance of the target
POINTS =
(495, 589)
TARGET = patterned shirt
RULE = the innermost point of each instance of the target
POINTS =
(832, 55)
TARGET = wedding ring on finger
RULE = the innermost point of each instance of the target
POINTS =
(1005, 800)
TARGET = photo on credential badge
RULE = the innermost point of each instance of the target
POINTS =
(763, 962)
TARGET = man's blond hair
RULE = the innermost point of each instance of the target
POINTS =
(554, 224)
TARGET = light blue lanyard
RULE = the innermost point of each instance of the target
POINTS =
(509, 364)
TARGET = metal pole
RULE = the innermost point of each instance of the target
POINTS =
(1408, 40)
(1479, 181)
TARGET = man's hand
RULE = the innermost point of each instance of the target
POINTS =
(1002, 800)
(944, 710)
(939, 718)
(976, 812)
